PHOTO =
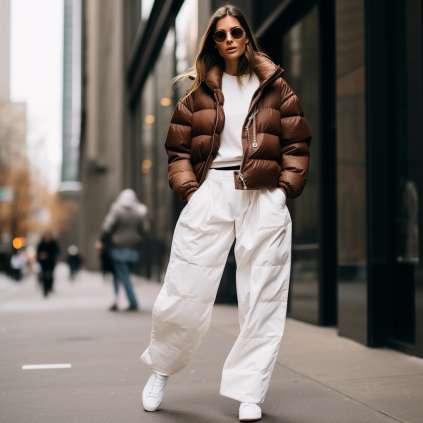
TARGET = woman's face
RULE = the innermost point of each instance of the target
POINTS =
(231, 48)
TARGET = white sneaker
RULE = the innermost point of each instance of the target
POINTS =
(152, 394)
(249, 412)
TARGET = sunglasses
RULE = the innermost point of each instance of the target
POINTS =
(236, 33)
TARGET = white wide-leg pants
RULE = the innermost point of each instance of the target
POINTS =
(217, 214)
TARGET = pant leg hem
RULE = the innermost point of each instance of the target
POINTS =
(146, 359)
(239, 398)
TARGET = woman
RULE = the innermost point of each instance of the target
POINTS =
(124, 225)
(238, 145)
(48, 251)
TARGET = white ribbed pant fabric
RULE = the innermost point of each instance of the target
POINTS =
(217, 214)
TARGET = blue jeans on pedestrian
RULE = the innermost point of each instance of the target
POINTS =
(122, 258)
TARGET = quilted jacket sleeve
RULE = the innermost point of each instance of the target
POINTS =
(295, 140)
(178, 147)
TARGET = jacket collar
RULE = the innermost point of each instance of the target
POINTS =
(263, 67)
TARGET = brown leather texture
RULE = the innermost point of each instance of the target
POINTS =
(275, 138)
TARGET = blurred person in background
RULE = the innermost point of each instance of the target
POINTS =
(74, 261)
(48, 251)
(238, 147)
(104, 247)
(19, 263)
(31, 254)
(124, 225)
(5, 256)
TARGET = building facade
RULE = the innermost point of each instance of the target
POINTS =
(357, 68)
(14, 165)
(5, 49)
(106, 161)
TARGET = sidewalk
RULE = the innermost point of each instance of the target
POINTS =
(8, 286)
(320, 377)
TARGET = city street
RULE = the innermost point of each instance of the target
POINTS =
(320, 377)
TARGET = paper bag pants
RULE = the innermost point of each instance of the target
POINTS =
(216, 214)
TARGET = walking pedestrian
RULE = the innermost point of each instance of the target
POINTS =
(124, 225)
(74, 261)
(48, 251)
(238, 147)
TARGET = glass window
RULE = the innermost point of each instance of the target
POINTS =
(153, 115)
(407, 164)
(351, 170)
(147, 123)
(187, 35)
(164, 108)
(300, 57)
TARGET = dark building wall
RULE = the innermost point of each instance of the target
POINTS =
(351, 170)
(394, 108)
(410, 217)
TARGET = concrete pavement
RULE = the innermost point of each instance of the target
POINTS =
(320, 377)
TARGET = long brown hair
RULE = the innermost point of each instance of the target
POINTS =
(208, 56)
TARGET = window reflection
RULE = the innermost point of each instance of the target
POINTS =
(408, 225)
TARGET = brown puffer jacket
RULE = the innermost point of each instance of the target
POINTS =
(275, 139)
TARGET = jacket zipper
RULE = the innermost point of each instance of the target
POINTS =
(252, 116)
(253, 144)
(253, 119)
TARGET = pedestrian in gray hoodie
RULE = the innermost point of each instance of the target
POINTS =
(124, 225)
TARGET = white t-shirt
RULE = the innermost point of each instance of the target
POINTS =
(236, 105)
